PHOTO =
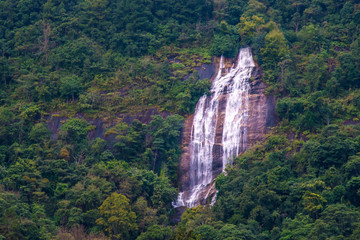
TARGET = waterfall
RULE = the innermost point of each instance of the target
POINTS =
(232, 83)
(235, 124)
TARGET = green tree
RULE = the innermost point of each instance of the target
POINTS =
(224, 44)
(274, 51)
(311, 38)
(297, 228)
(74, 134)
(206, 232)
(313, 203)
(230, 231)
(39, 133)
(145, 216)
(347, 74)
(117, 218)
(341, 217)
(163, 139)
(352, 167)
(249, 27)
(70, 87)
(156, 232)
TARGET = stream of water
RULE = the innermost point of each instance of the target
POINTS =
(233, 82)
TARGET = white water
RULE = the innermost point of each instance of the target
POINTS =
(235, 129)
(235, 83)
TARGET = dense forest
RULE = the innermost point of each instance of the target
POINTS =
(81, 62)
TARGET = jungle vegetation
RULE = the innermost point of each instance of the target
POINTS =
(77, 63)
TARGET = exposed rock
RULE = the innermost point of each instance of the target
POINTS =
(262, 113)
(184, 164)
(205, 71)
(261, 117)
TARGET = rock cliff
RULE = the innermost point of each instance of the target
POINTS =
(261, 117)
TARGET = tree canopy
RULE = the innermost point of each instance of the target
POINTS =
(94, 93)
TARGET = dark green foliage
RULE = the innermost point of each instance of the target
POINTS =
(332, 150)
(205, 232)
(233, 10)
(66, 184)
(347, 74)
(156, 232)
(74, 130)
(39, 133)
(230, 231)
(70, 87)
(226, 42)
(224, 45)
(305, 113)
(164, 135)
(107, 60)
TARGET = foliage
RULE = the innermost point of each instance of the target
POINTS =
(156, 232)
(117, 217)
(226, 41)
(66, 65)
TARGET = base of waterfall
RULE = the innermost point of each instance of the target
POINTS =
(198, 195)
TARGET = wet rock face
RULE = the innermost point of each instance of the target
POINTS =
(184, 164)
(262, 112)
(261, 117)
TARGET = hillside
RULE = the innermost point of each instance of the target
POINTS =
(94, 94)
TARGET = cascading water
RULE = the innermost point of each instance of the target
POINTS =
(235, 124)
(234, 83)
